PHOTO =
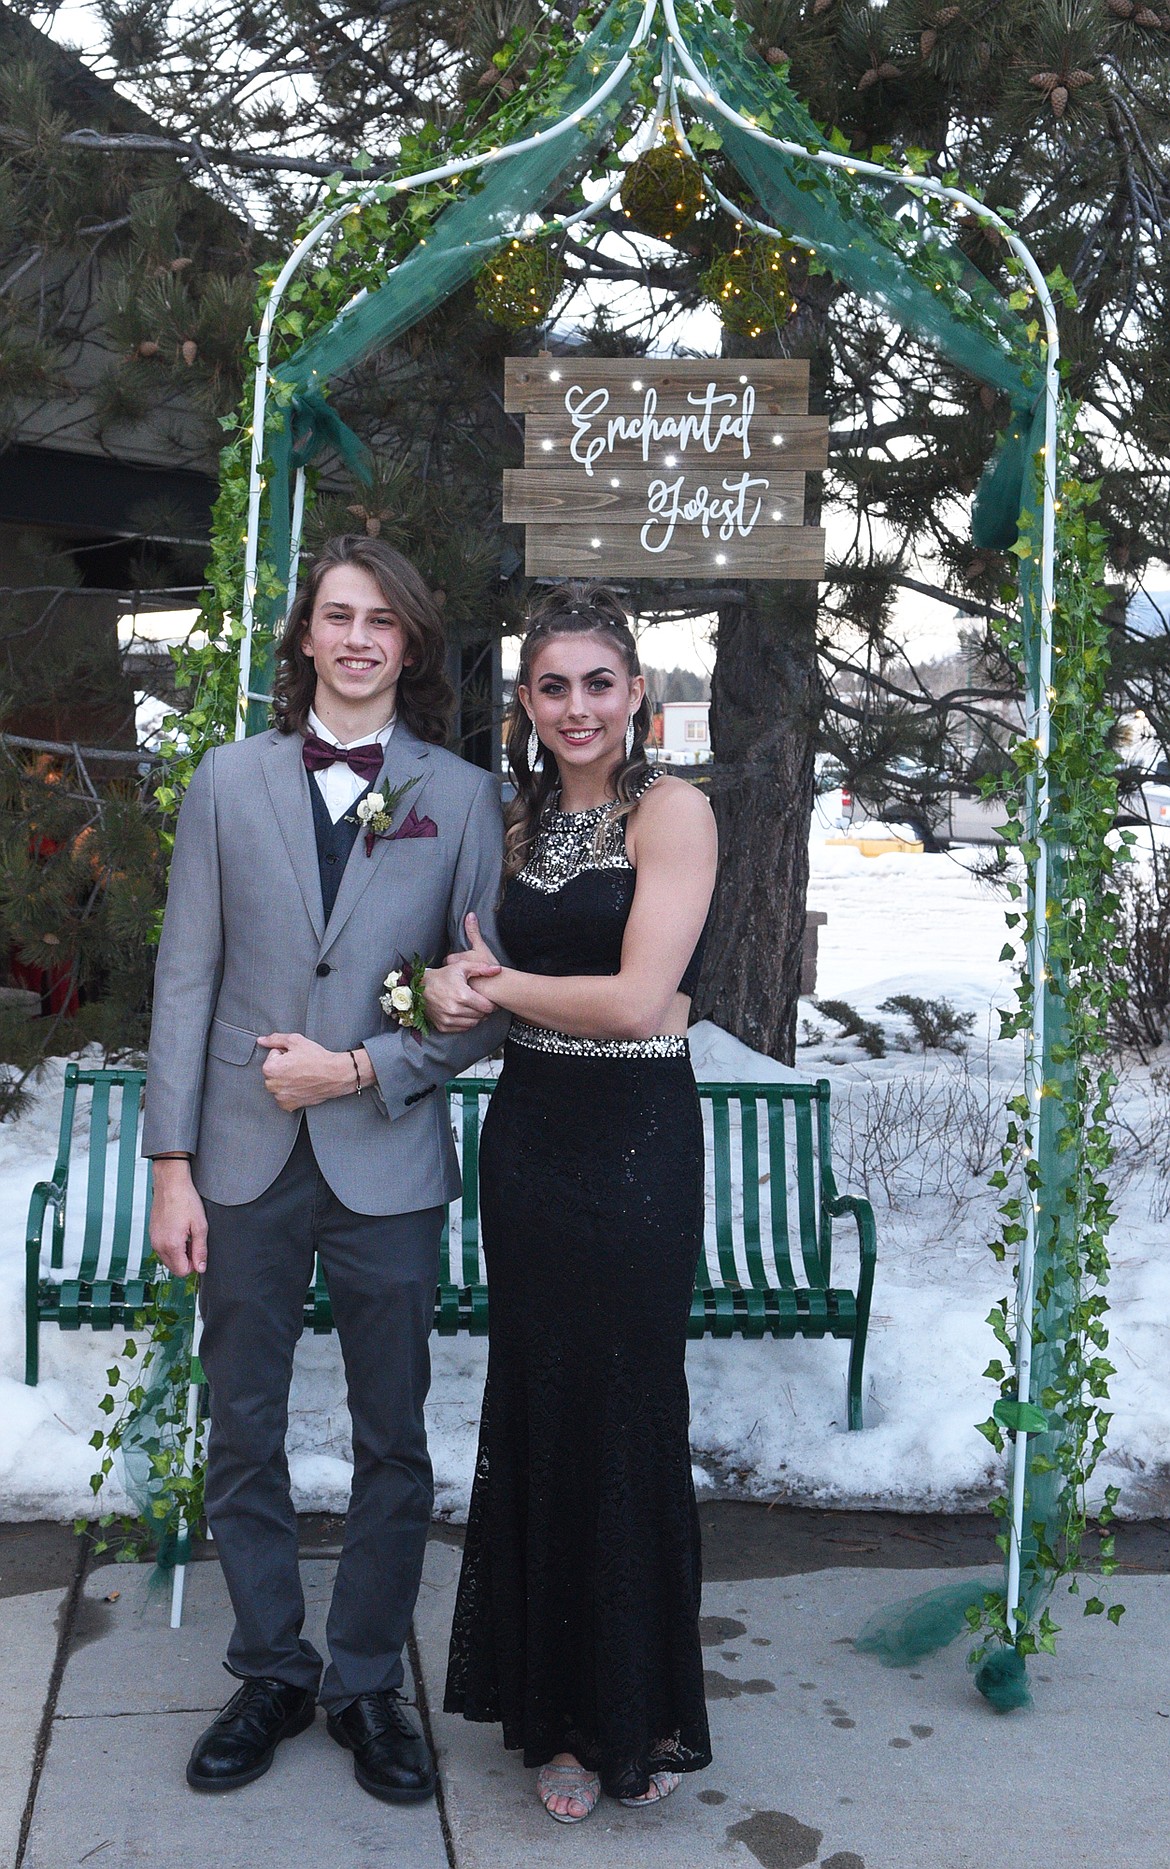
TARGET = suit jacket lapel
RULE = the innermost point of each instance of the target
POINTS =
(406, 759)
(288, 787)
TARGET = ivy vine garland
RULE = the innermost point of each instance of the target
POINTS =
(520, 284)
(663, 191)
(1083, 921)
(750, 288)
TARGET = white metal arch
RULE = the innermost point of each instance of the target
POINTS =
(699, 84)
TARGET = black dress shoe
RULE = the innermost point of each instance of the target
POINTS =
(238, 1745)
(390, 1756)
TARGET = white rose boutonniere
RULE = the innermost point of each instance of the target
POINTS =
(375, 812)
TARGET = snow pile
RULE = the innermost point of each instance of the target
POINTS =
(915, 1132)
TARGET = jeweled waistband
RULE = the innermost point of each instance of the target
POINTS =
(540, 1038)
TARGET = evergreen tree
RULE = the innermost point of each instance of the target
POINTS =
(1055, 109)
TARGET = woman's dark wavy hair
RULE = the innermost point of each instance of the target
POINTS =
(574, 609)
(425, 699)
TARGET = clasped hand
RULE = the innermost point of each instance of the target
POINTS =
(453, 1002)
(300, 1073)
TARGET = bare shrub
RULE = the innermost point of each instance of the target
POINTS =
(1141, 1141)
(1141, 1015)
(937, 1134)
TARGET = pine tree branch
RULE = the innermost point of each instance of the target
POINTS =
(193, 151)
(842, 574)
(81, 753)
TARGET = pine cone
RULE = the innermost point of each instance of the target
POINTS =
(945, 15)
(775, 56)
(927, 41)
(179, 266)
(1058, 98)
(821, 6)
(987, 397)
(975, 569)
(876, 72)
(1124, 9)
(147, 348)
(190, 351)
(371, 522)
(1045, 80)
(486, 79)
(1076, 79)
(1145, 16)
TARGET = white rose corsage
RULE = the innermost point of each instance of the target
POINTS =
(403, 997)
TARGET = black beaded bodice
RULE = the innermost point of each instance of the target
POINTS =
(566, 911)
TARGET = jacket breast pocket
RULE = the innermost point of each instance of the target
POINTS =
(230, 1043)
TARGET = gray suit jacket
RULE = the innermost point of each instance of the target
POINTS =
(245, 951)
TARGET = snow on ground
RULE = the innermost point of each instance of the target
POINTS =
(916, 1133)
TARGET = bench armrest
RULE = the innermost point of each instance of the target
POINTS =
(46, 1194)
(837, 1206)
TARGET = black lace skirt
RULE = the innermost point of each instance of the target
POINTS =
(576, 1622)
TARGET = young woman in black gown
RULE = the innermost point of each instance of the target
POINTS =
(576, 1622)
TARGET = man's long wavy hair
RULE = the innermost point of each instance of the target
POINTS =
(574, 609)
(425, 700)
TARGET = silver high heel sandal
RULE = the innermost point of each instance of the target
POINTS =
(568, 1781)
(661, 1786)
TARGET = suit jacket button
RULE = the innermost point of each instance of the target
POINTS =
(323, 968)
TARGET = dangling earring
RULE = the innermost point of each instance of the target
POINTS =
(535, 752)
(629, 736)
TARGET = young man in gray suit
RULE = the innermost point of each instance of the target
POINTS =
(287, 1116)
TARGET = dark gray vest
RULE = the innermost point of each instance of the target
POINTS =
(334, 843)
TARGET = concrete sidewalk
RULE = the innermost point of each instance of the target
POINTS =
(821, 1757)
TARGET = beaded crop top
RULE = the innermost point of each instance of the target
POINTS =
(566, 911)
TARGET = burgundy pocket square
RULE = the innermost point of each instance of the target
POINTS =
(413, 826)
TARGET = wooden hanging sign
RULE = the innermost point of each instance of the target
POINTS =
(662, 467)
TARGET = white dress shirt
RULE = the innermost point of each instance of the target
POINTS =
(340, 786)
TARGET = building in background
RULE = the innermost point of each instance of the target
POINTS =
(684, 738)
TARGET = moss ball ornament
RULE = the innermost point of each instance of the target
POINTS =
(663, 191)
(750, 287)
(519, 284)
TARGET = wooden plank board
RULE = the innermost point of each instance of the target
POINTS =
(567, 551)
(532, 384)
(796, 442)
(620, 499)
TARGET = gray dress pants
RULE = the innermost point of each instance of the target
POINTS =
(381, 1271)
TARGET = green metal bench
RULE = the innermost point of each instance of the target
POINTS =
(767, 1267)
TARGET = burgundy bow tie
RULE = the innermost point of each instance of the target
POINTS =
(366, 761)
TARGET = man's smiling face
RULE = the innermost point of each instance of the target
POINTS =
(355, 642)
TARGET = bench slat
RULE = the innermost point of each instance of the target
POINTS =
(778, 1191)
(721, 1152)
(470, 1208)
(749, 1155)
(807, 1192)
(99, 1119)
(132, 1083)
